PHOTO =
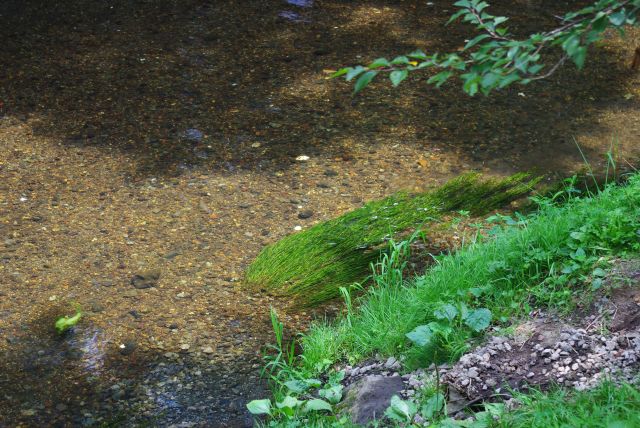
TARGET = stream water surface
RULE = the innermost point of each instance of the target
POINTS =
(157, 141)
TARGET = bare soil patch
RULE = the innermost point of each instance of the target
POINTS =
(577, 352)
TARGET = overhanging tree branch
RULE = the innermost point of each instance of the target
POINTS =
(495, 58)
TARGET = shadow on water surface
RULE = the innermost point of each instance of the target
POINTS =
(183, 83)
(86, 378)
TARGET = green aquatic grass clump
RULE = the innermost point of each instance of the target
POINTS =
(314, 264)
(542, 262)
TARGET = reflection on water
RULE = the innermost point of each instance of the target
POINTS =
(80, 350)
(92, 352)
(193, 134)
(301, 3)
(292, 16)
(47, 373)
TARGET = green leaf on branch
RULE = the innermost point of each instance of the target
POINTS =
(490, 80)
(618, 18)
(457, 15)
(380, 62)
(341, 72)
(499, 20)
(440, 78)
(364, 80)
(580, 56)
(470, 85)
(353, 72)
(400, 60)
(571, 44)
(535, 69)
(471, 43)
(397, 76)
(419, 55)
(509, 79)
(463, 3)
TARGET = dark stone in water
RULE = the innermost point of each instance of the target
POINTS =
(193, 134)
(171, 255)
(97, 307)
(146, 279)
(128, 347)
(103, 283)
(183, 166)
(305, 214)
(201, 153)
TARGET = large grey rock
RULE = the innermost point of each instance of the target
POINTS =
(456, 401)
(367, 399)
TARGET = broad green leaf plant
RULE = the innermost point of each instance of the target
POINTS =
(495, 58)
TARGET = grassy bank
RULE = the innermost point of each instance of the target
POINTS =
(552, 258)
(534, 262)
(312, 265)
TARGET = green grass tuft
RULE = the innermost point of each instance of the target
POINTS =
(312, 265)
(607, 405)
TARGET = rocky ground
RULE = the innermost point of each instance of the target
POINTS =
(602, 341)
(151, 149)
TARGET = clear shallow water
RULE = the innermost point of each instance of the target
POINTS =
(166, 133)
